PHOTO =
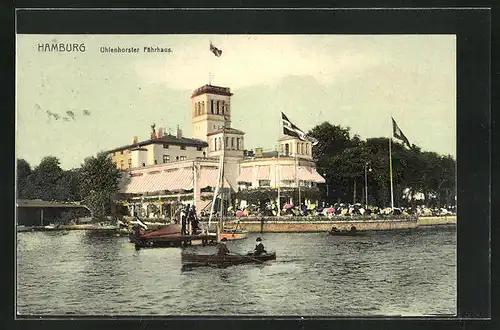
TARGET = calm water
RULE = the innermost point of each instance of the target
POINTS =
(388, 273)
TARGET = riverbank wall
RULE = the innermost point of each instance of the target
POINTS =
(437, 221)
(283, 226)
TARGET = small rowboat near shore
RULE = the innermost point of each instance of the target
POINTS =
(233, 234)
(200, 260)
(347, 233)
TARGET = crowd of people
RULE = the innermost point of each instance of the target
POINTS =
(333, 210)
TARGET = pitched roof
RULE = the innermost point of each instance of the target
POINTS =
(166, 139)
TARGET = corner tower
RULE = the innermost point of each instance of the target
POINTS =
(211, 109)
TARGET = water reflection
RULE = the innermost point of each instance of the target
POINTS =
(314, 274)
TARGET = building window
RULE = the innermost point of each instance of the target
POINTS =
(130, 163)
(218, 108)
(182, 158)
(237, 143)
(156, 162)
(227, 143)
(214, 143)
(203, 107)
(165, 146)
(211, 106)
(297, 150)
(166, 158)
(220, 143)
(264, 183)
(287, 149)
(199, 148)
(232, 143)
(121, 152)
(121, 164)
(143, 164)
(183, 147)
(307, 149)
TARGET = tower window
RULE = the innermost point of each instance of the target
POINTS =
(227, 143)
(232, 143)
(215, 145)
(237, 143)
(165, 146)
(218, 108)
(211, 106)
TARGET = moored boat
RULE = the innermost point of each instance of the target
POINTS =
(233, 234)
(347, 233)
(192, 259)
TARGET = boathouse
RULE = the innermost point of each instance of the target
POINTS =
(40, 213)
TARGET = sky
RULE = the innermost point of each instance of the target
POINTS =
(355, 81)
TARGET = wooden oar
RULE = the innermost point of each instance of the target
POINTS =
(246, 256)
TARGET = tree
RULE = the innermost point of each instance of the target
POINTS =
(99, 181)
(48, 182)
(24, 188)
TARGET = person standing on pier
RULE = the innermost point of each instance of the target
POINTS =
(183, 221)
(188, 219)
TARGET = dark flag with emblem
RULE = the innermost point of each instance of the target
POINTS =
(398, 134)
(217, 52)
(292, 130)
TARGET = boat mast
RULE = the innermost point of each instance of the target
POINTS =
(220, 178)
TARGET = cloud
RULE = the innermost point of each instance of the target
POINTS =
(252, 61)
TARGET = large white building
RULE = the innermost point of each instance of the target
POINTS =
(168, 169)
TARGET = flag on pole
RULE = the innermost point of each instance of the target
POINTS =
(217, 52)
(292, 130)
(398, 134)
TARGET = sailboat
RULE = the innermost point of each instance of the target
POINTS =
(230, 233)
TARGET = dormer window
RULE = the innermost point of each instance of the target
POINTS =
(165, 146)
(183, 147)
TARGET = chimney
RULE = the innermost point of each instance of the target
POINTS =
(179, 132)
(160, 132)
(136, 140)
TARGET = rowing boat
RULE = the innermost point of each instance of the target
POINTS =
(192, 259)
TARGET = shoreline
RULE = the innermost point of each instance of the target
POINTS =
(295, 224)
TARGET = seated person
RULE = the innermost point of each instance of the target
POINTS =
(335, 229)
(259, 248)
(222, 249)
(353, 229)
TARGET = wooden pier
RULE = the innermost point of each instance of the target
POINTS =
(175, 241)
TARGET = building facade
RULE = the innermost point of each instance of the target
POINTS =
(168, 170)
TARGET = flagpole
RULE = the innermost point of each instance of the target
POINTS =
(279, 181)
(390, 169)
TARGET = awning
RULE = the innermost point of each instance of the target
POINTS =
(208, 178)
(286, 173)
(181, 180)
(304, 174)
(263, 173)
(175, 180)
(245, 175)
(317, 177)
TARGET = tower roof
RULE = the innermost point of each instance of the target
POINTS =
(210, 89)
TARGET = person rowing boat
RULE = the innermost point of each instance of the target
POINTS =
(222, 249)
(259, 248)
